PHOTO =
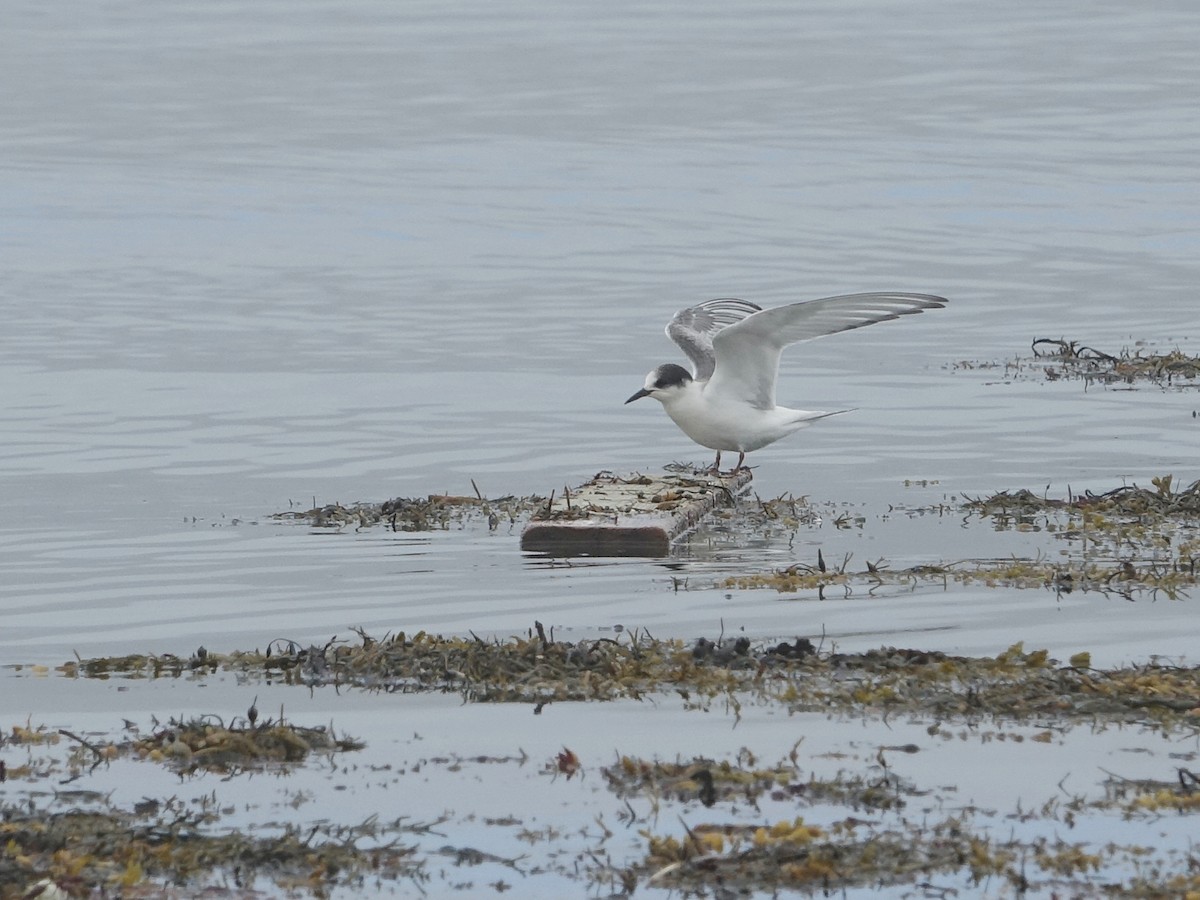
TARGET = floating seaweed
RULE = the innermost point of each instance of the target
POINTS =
(436, 512)
(203, 743)
(1128, 500)
(791, 854)
(209, 743)
(1058, 359)
(714, 782)
(862, 827)
(104, 850)
(1016, 684)
(881, 851)
(1074, 360)
(1129, 541)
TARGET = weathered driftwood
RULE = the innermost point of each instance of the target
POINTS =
(638, 515)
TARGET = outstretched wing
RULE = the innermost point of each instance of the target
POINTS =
(693, 329)
(747, 352)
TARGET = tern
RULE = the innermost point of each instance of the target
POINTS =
(727, 401)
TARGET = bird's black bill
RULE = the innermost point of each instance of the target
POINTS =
(639, 395)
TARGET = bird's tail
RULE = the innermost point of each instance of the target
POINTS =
(812, 416)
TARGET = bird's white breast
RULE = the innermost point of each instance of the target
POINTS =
(721, 424)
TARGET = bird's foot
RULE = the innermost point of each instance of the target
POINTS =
(715, 468)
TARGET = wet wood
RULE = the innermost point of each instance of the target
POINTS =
(638, 515)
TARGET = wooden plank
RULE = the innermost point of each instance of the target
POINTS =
(638, 515)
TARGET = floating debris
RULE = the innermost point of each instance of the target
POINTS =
(715, 782)
(1129, 542)
(890, 849)
(693, 509)
(1126, 578)
(637, 515)
(204, 743)
(1074, 360)
(1128, 500)
(208, 743)
(1057, 359)
(160, 848)
(437, 512)
(1151, 797)
(538, 670)
(790, 854)
(745, 824)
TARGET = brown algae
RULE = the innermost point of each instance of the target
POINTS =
(743, 824)
(167, 849)
(1071, 359)
(1129, 541)
(436, 512)
(703, 824)
(1059, 359)
(536, 669)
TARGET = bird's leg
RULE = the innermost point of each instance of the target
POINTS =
(741, 459)
(716, 467)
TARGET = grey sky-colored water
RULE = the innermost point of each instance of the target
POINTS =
(256, 254)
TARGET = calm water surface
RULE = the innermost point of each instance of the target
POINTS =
(260, 254)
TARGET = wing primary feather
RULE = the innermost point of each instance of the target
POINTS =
(746, 353)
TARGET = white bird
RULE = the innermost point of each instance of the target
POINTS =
(728, 401)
